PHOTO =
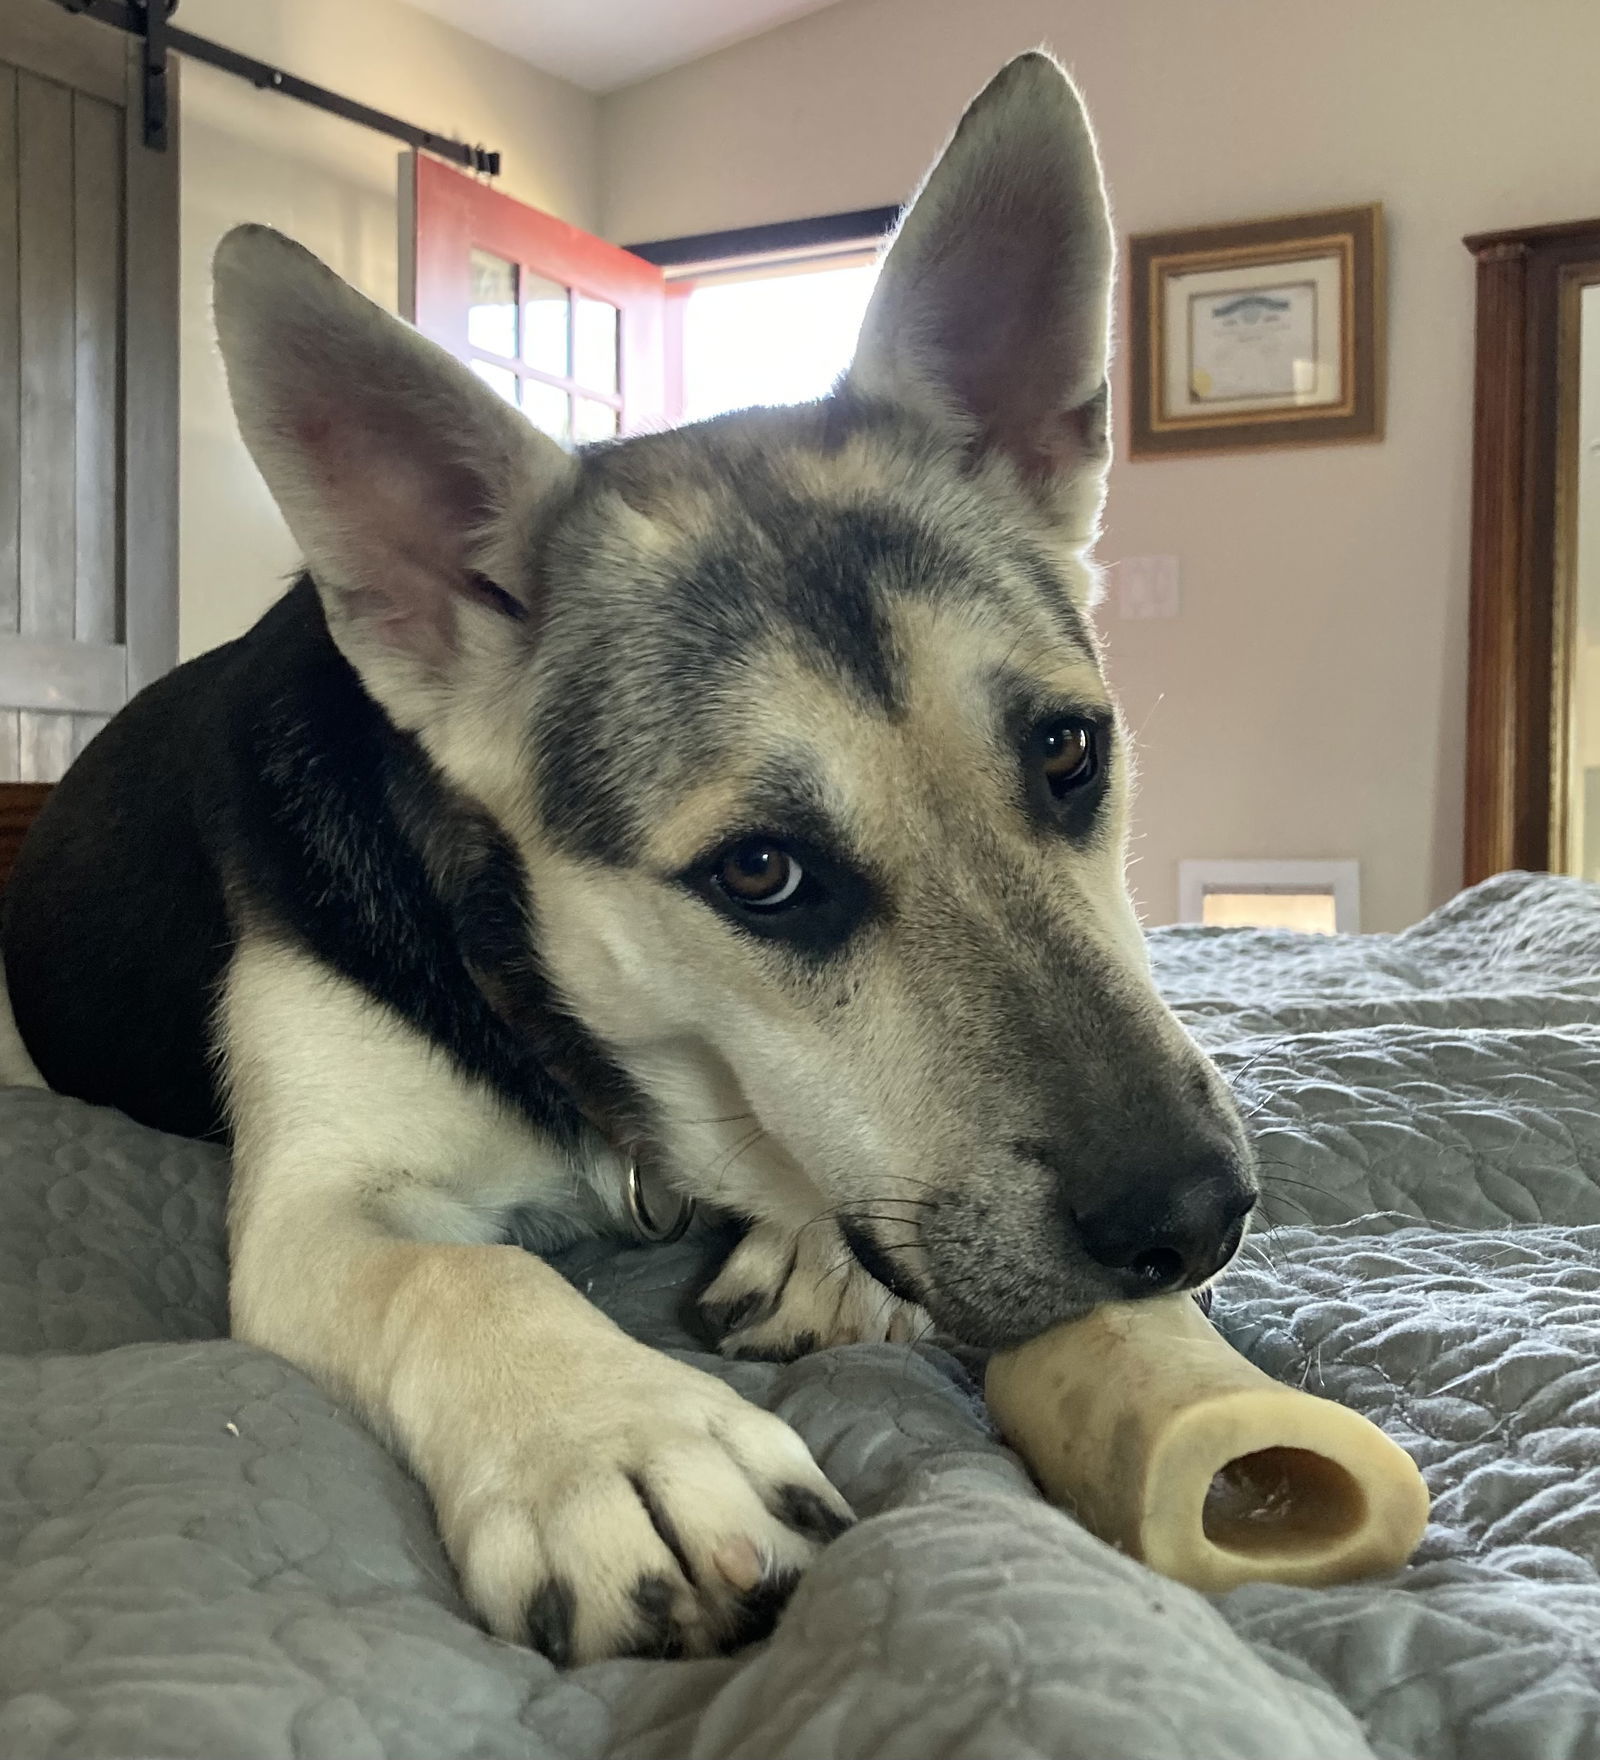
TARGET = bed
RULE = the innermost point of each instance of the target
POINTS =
(201, 1555)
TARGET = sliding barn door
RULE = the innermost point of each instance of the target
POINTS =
(561, 323)
(88, 388)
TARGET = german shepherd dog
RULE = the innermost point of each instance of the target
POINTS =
(748, 799)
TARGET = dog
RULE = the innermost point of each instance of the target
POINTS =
(744, 803)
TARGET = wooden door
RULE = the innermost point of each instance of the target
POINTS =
(88, 387)
(563, 324)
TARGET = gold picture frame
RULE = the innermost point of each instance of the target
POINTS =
(1263, 333)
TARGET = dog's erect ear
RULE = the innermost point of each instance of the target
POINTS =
(392, 463)
(992, 309)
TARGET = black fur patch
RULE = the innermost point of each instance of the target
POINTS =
(655, 1636)
(666, 1529)
(750, 1353)
(801, 1345)
(800, 1508)
(261, 786)
(116, 930)
(760, 1607)
(324, 784)
(1048, 585)
(552, 1615)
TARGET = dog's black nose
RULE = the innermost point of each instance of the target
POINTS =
(1170, 1238)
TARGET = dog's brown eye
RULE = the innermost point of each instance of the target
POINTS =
(759, 873)
(1069, 754)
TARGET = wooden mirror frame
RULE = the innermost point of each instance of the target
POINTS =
(1524, 416)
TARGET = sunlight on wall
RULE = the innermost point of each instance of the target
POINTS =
(776, 339)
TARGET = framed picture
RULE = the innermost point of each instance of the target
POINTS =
(1267, 333)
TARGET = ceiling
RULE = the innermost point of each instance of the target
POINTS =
(603, 44)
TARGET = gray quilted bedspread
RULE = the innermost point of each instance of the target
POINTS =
(201, 1555)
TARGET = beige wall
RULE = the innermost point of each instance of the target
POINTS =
(251, 155)
(1309, 700)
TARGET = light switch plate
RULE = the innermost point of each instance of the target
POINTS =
(1146, 587)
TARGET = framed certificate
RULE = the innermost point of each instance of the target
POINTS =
(1267, 333)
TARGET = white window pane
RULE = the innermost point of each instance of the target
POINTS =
(1310, 912)
(594, 343)
(492, 313)
(544, 325)
(776, 339)
(546, 407)
(594, 421)
(502, 379)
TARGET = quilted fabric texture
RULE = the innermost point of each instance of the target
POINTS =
(201, 1555)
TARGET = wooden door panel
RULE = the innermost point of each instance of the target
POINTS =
(97, 255)
(447, 216)
(47, 743)
(149, 413)
(10, 372)
(48, 347)
(84, 678)
(44, 744)
(88, 370)
(34, 36)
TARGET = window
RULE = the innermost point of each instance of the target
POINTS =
(549, 349)
(1310, 912)
(1321, 898)
(770, 335)
(766, 314)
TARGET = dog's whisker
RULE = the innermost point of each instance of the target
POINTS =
(724, 1118)
(719, 1173)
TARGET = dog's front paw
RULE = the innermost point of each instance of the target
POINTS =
(660, 1515)
(782, 1294)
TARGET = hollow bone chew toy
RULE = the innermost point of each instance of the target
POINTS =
(1150, 1428)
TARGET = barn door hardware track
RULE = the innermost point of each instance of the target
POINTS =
(150, 20)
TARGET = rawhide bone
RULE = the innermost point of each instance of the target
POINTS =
(1142, 1421)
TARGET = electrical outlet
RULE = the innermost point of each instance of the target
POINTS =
(1146, 587)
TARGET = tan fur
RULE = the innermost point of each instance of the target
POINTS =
(696, 1014)
(694, 823)
(522, 1408)
(17, 1068)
